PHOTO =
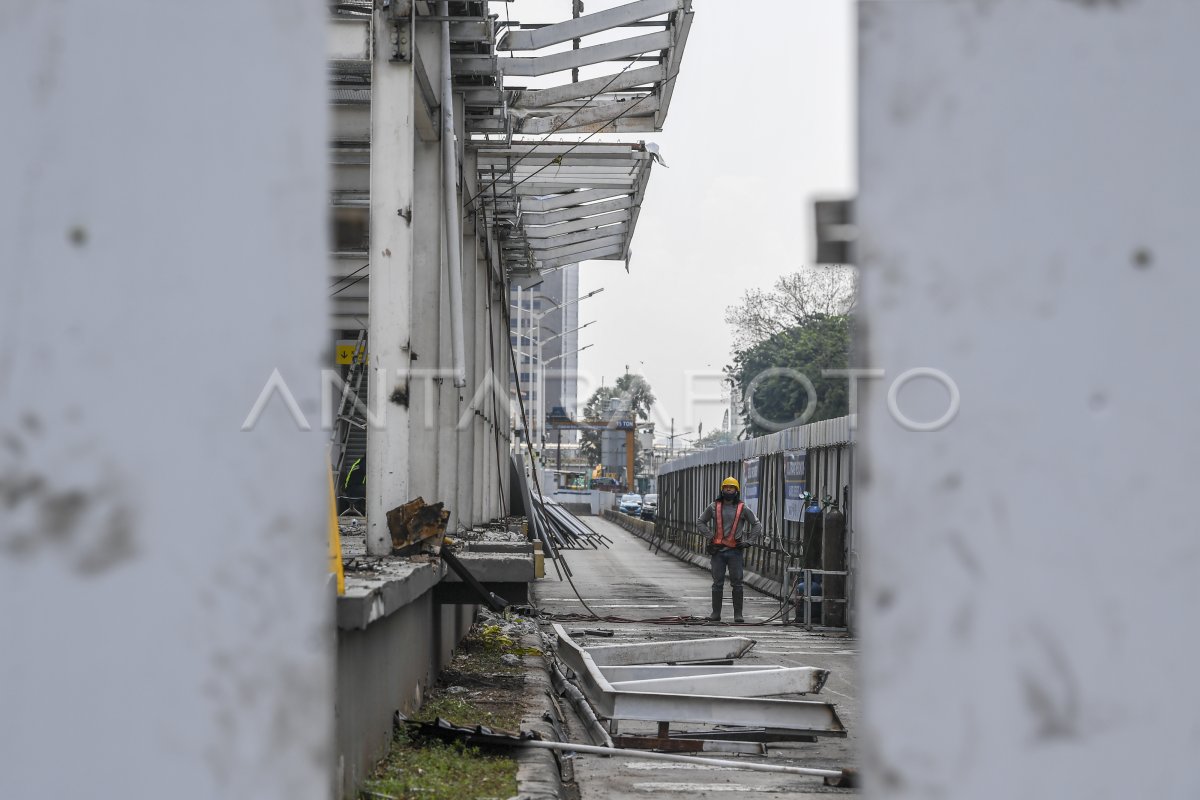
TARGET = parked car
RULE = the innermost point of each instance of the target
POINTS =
(631, 504)
(649, 507)
(605, 484)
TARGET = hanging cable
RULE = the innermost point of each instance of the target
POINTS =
(351, 275)
(556, 129)
(576, 145)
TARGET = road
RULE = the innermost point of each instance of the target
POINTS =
(629, 581)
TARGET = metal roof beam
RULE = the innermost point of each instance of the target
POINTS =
(542, 98)
(596, 243)
(547, 231)
(546, 186)
(630, 123)
(481, 95)
(544, 246)
(563, 153)
(579, 176)
(575, 212)
(645, 106)
(638, 194)
(585, 56)
(603, 253)
(568, 199)
(674, 57)
(502, 164)
(428, 104)
(538, 38)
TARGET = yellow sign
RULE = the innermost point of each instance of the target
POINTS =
(346, 353)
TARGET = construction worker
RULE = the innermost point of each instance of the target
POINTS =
(733, 527)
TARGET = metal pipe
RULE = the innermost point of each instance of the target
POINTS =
(450, 192)
(714, 762)
(581, 706)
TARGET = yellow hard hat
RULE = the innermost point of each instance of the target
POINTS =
(731, 481)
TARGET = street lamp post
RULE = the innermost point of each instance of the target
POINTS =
(536, 321)
(558, 449)
(542, 374)
(671, 439)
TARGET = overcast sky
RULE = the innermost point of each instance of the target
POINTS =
(761, 123)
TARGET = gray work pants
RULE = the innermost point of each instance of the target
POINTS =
(731, 559)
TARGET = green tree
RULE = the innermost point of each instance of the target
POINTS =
(766, 373)
(594, 410)
(635, 394)
(798, 296)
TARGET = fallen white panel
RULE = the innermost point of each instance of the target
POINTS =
(756, 683)
(640, 672)
(819, 719)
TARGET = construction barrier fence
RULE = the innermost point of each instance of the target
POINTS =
(799, 482)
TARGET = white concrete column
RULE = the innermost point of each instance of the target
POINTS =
(468, 455)
(167, 625)
(1029, 181)
(390, 299)
(449, 409)
(428, 278)
(477, 331)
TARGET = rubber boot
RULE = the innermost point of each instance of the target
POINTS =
(717, 597)
(737, 605)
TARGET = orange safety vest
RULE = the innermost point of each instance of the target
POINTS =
(721, 538)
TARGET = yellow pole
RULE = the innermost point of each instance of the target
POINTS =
(335, 540)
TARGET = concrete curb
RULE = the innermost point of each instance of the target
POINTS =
(538, 774)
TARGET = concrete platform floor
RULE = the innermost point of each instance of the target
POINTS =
(628, 581)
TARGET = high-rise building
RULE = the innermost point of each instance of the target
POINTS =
(542, 309)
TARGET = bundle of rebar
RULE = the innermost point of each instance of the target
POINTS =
(567, 530)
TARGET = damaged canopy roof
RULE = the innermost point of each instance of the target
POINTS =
(558, 204)
(552, 201)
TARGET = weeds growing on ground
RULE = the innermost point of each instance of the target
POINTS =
(434, 770)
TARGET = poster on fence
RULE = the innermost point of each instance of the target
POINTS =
(793, 484)
(750, 484)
